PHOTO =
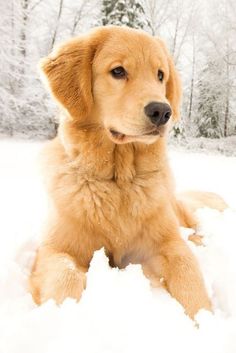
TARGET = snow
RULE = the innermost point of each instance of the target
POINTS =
(224, 145)
(118, 312)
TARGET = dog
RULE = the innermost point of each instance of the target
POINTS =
(107, 172)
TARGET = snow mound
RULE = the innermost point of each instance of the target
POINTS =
(119, 312)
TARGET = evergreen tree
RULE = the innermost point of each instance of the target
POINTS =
(211, 100)
(123, 12)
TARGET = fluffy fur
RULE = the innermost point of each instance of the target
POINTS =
(114, 190)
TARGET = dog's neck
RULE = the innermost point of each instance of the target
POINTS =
(98, 157)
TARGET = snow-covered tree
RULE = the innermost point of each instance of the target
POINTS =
(123, 12)
(215, 114)
(210, 101)
(28, 31)
(214, 108)
(158, 13)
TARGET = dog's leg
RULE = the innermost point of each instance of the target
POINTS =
(185, 215)
(57, 276)
(177, 269)
(187, 219)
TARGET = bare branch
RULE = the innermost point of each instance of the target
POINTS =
(35, 5)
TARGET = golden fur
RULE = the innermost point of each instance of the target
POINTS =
(109, 191)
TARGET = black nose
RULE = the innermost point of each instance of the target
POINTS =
(159, 113)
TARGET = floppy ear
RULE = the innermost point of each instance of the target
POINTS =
(68, 73)
(173, 85)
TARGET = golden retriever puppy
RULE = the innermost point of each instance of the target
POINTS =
(107, 171)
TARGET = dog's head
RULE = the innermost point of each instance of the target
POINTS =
(121, 79)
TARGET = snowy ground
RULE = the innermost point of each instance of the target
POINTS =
(118, 313)
(224, 145)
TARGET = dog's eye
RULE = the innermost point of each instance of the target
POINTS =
(160, 75)
(119, 72)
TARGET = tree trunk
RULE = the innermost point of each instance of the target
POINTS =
(25, 5)
(192, 82)
(226, 119)
(175, 37)
(78, 17)
(13, 46)
(57, 24)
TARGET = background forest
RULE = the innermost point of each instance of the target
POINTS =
(200, 35)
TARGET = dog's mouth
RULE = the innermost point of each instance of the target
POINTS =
(120, 137)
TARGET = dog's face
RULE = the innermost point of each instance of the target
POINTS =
(120, 79)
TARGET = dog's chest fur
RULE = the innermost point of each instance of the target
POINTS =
(112, 193)
(126, 181)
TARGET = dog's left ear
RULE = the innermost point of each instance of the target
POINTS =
(173, 85)
(68, 72)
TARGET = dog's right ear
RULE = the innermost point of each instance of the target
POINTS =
(69, 75)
